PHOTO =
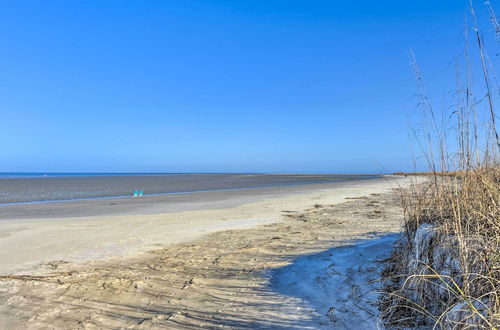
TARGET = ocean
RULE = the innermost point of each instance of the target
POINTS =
(46, 187)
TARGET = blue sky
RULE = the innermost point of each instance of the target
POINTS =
(218, 86)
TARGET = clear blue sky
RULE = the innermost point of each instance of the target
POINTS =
(217, 86)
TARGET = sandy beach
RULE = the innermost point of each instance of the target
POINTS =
(202, 259)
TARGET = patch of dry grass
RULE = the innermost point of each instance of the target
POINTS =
(451, 277)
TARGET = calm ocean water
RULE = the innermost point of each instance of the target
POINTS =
(41, 187)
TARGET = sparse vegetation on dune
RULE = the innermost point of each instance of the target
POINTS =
(445, 271)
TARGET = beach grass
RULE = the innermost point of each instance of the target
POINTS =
(445, 272)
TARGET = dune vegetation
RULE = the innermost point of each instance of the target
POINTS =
(445, 271)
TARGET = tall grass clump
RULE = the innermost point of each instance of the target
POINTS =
(445, 271)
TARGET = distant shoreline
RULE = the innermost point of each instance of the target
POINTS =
(448, 173)
(14, 175)
(161, 203)
(78, 187)
(161, 194)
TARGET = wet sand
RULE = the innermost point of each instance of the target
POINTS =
(168, 203)
(30, 189)
(206, 265)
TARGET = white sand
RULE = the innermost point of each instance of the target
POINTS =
(203, 268)
(339, 286)
(24, 244)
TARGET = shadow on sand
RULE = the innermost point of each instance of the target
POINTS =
(340, 284)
